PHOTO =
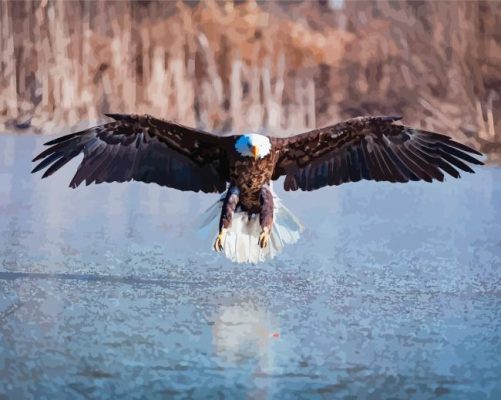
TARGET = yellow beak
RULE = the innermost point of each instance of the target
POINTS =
(255, 152)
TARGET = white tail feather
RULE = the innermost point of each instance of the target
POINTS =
(241, 242)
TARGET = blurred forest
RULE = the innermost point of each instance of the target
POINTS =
(251, 65)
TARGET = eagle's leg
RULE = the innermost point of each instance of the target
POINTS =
(265, 215)
(229, 205)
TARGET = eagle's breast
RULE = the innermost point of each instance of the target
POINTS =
(249, 176)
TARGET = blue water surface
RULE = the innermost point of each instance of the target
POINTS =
(108, 291)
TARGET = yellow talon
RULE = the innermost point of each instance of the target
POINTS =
(264, 238)
(218, 244)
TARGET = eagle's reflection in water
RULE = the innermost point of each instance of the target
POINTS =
(244, 332)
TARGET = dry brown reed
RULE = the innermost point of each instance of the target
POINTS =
(283, 67)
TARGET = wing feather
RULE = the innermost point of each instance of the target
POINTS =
(423, 160)
(371, 148)
(427, 161)
(144, 149)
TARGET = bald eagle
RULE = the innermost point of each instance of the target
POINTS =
(253, 224)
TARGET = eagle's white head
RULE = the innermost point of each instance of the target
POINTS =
(253, 145)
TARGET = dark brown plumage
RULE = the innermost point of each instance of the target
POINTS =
(250, 176)
(148, 149)
(372, 148)
(145, 149)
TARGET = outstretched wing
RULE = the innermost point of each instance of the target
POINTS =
(142, 148)
(371, 148)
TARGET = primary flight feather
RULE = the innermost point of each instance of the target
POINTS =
(253, 223)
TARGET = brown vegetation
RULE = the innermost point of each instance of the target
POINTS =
(279, 66)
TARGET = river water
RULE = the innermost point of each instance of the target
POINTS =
(108, 291)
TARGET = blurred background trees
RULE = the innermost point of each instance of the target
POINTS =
(251, 65)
